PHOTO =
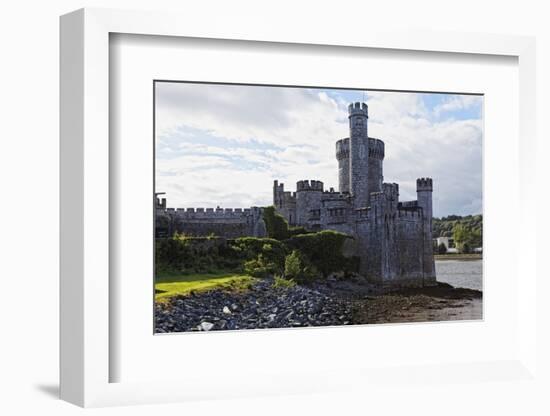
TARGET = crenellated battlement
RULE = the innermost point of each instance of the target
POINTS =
(358, 109)
(376, 148)
(212, 213)
(309, 185)
(424, 184)
(342, 149)
(409, 213)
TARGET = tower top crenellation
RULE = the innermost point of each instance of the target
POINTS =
(424, 184)
(358, 109)
(309, 185)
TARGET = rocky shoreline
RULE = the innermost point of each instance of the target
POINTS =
(262, 306)
(331, 303)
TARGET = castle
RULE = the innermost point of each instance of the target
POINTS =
(392, 239)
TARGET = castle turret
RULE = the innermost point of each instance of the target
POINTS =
(376, 159)
(284, 202)
(342, 155)
(358, 153)
(424, 190)
(308, 198)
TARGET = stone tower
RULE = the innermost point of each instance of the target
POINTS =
(342, 155)
(376, 161)
(424, 190)
(358, 153)
(308, 197)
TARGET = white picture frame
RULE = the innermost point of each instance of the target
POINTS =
(86, 265)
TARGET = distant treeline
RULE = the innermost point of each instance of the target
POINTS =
(467, 230)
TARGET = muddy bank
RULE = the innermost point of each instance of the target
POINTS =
(439, 303)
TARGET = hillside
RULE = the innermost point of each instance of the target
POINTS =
(470, 228)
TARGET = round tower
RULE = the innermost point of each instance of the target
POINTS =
(358, 153)
(376, 159)
(342, 156)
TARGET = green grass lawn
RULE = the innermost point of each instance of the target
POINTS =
(170, 284)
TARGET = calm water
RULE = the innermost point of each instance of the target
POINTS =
(460, 273)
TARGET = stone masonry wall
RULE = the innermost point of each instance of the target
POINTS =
(284, 202)
(228, 223)
(342, 155)
(424, 189)
(376, 158)
(308, 199)
(358, 154)
(410, 247)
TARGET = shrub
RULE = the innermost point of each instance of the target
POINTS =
(298, 268)
(185, 254)
(275, 224)
(260, 267)
(293, 264)
(272, 252)
(282, 283)
(324, 250)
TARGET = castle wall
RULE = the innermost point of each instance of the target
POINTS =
(228, 223)
(410, 247)
(337, 212)
(376, 234)
(390, 245)
(369, 257)
(389, 222)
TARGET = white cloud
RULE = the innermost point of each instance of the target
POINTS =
(224, 145)
(457, 102)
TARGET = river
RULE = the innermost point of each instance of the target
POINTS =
(460, 273)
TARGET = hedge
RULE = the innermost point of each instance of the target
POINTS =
(261, 257)
(324, 250)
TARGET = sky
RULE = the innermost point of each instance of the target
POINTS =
(223, 145)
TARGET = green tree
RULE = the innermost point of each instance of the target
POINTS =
(444, 227)
(293, 264)
(465, 238)
(298, 268)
